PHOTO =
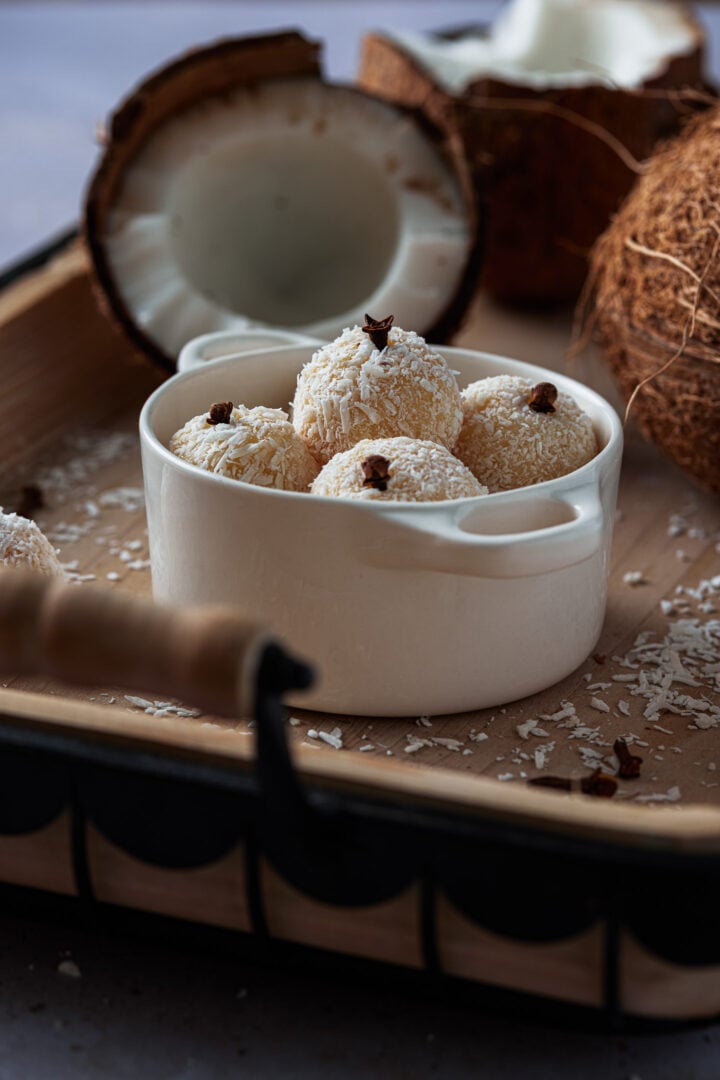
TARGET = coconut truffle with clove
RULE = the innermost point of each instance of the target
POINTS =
(259, 446)
(375, 381)
(516, 433)
(399, 469)
(24, 546)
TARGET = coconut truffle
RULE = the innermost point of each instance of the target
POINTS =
(375, 381)
(400, 470)
(24, 546)
(516, 433)
(259, 446)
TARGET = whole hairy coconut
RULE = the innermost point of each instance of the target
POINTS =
(656, 278)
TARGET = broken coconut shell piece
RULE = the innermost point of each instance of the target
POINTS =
(551, 108)
(656, 282)
(236, 189)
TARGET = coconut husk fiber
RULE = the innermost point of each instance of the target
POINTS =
(655, 274)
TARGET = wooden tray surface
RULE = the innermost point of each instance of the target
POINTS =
(86, 465)
(70, 411)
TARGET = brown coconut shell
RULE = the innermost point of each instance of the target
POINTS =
(547, 180)
(212, 71)
(656, 278)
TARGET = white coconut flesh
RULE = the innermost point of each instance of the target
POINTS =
(293, 204)
(561, 43)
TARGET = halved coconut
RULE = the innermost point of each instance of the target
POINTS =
(656, 285)
(239, 190)
(549, 107)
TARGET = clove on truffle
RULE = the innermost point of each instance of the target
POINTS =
(376, 470)
(378, 330)
(543, 397)
(220, 412)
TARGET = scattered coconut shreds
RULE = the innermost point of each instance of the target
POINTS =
(83, 455)
(591, 735)
(530, 727)
(332, 738)
(478, 736)
(129, 499)
(541, 755)
(634, 577)
(160, 708)
(506, 776)
(566, 712)
(687, 656)
(366, 747)
(415, 743)
(448, 744)
(525, 729)
(423, 721)
(677, 525)
(673, 795)
(601, 706)
(594, 759)
(294, 721)
(70, 969)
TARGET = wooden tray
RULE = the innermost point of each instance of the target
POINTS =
(68, 439)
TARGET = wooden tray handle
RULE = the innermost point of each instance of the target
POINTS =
(205, 656)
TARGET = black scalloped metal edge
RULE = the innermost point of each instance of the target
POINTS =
(524, 884)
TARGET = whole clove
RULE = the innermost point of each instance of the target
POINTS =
(378, 330)
(543, 397)
(376, 470)
(220, 412)
(599, 784)
(629, 763)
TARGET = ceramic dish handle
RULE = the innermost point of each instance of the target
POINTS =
(206, 656)
(455, 543)
(225, 343)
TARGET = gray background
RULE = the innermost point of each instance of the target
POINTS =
(148, 1009)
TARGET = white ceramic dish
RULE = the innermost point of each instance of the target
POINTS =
(405, 608)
